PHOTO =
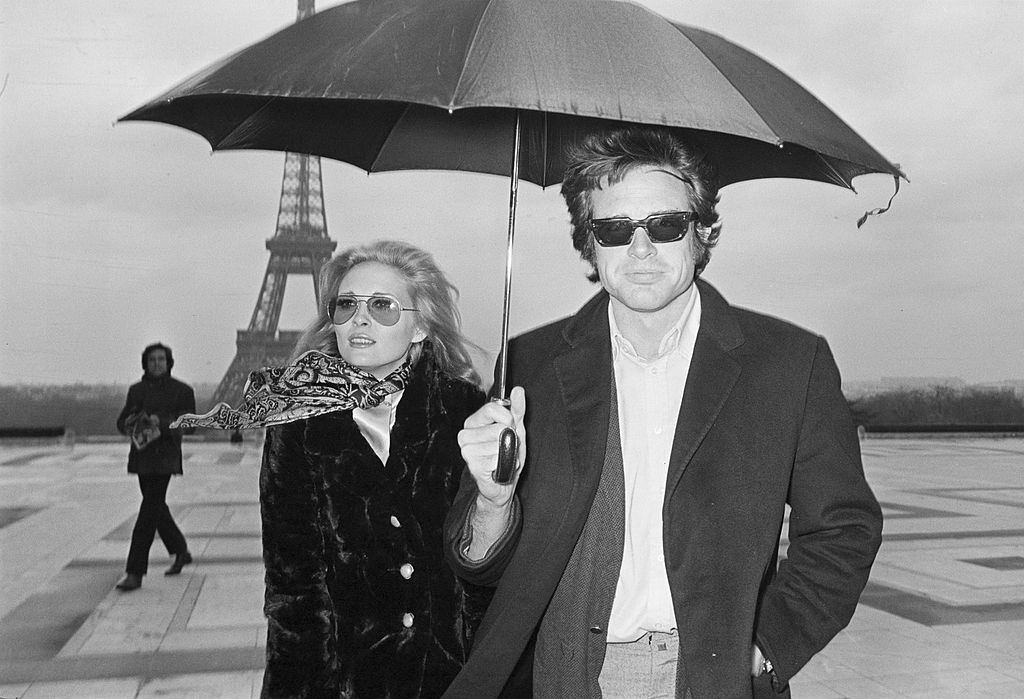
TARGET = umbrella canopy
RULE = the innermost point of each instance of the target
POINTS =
(441, 84)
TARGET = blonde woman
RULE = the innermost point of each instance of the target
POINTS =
(359, 600)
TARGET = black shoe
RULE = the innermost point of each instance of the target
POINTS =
(130, 582)
(180, 561)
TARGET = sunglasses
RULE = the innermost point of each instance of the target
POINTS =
(661, 228)
(383, 308)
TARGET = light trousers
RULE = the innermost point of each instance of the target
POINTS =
(643, 669)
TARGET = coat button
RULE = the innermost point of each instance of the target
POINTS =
(395, 522)
(595, 629)
(406, 570)
(407, 619)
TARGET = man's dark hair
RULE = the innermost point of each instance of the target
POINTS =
(158, 346)
(607, 157)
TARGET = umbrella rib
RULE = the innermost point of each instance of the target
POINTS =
(227, 138)
(387, 137)
(837, 177)
(778, 141)
(834, 175)
(469, 51)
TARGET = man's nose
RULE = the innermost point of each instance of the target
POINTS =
(641, 246)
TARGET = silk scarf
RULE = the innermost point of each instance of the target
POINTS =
(314, 384)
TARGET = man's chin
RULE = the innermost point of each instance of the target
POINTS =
(643, 303)
(648, 298)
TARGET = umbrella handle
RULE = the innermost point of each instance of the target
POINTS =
(508, 450)
(508, 453)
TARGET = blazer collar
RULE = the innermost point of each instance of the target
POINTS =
(584, 371)
(590, 323)
(717, 319)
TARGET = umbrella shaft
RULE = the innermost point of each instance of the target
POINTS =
(513, 197)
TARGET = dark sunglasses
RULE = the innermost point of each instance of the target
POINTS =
(661, 228)
(383, 308)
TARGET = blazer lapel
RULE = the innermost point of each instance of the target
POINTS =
(559, 509)
(584, 374)
(713, 373)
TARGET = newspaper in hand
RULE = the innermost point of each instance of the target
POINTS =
(143, 429)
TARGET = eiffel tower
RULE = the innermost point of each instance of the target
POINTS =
(300, 246)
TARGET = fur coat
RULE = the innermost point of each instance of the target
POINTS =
(359, 599)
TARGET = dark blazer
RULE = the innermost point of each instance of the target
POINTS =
(359, 599)
(762, 424)
(168, 399)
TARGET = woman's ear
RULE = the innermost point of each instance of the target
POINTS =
(419, 335)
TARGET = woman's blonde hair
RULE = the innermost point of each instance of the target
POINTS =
(432, 294)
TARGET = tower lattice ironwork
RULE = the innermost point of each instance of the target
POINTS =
(300, 245)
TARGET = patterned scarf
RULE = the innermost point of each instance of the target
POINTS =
(316, 383)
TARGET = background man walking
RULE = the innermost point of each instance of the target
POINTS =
(155, 455)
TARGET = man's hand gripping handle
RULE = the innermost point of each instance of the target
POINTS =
(508, 450)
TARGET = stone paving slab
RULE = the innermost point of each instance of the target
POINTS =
(943, 614)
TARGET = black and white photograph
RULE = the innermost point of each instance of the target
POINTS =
(511, 348)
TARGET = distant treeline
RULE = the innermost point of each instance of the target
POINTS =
(939, 406)
(85, 409)
(93, 409)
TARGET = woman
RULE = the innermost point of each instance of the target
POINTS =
(359, 600)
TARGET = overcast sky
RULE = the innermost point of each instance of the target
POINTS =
(112, 237)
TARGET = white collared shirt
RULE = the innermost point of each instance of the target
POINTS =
(649, 393)
(375, 424)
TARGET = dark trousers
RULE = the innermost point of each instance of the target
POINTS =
(154, 516)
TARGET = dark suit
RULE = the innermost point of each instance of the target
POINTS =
(762, 423)
(167, 398)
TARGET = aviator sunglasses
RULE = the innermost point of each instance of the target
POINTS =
(383, 308)
(661, 228)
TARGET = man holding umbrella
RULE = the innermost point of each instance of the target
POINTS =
(636, 549)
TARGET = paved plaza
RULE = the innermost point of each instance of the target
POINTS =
(943, 614)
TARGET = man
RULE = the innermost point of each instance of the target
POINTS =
(636, 548)
(155, 455)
